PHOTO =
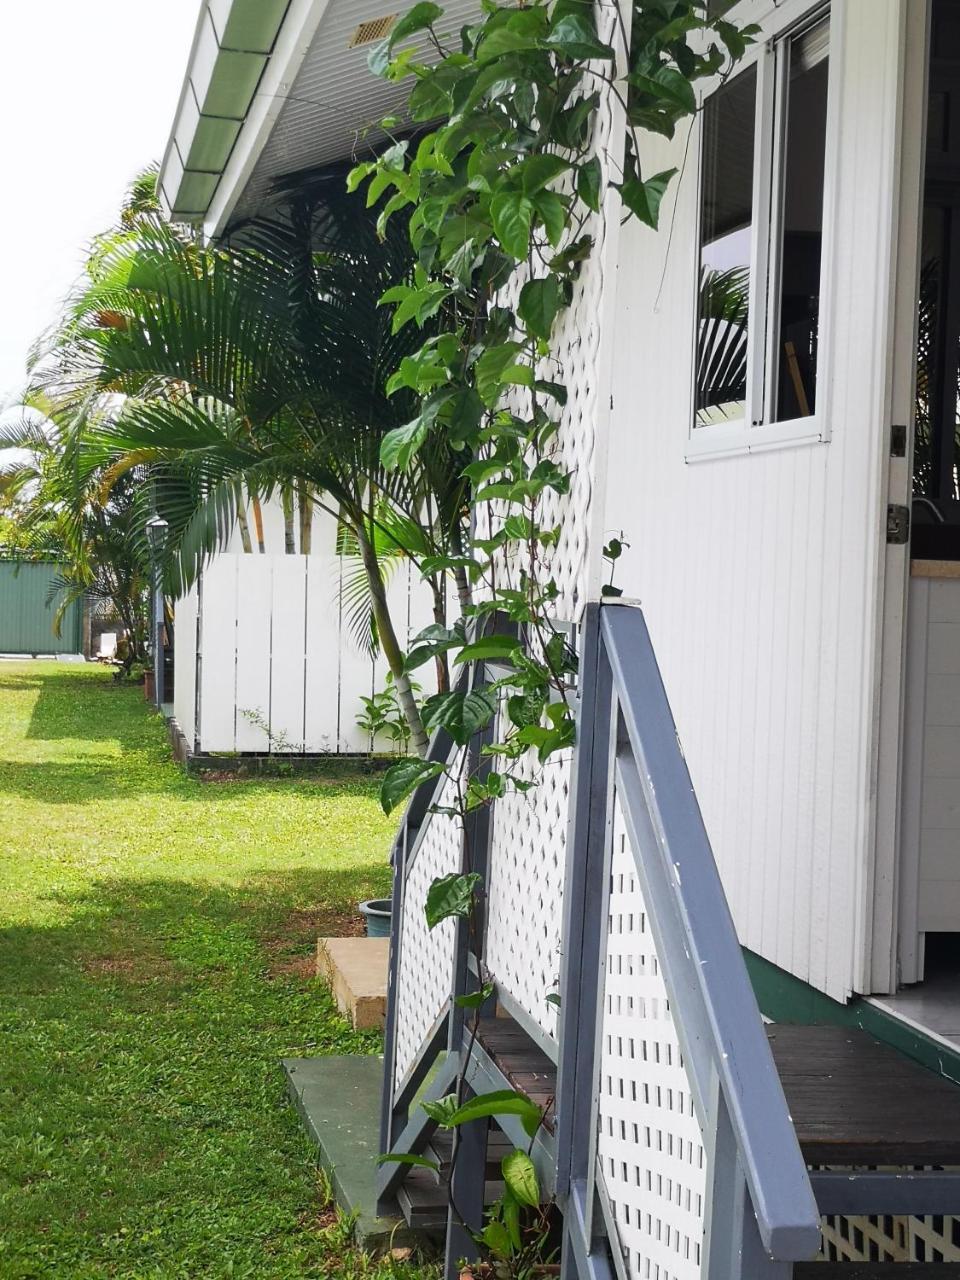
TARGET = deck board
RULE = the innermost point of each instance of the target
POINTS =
(854, 1100)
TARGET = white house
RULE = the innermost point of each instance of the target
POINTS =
(793, 525)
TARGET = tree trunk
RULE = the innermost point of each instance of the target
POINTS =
(289, 536)
(437, 586)
(243, 523)
(390, 644)
(258, 523)
(306, 519)
(464, 589)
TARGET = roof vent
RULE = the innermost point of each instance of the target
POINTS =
(375, 29)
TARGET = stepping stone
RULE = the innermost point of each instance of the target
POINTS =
(356, 970)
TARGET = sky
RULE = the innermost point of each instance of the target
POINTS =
(88, 89)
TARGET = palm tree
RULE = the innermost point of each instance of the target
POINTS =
(62, 506)
(260, 367)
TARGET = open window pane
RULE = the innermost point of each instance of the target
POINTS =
(796, 300)
(726, 243)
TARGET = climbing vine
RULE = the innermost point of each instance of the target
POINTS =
(502, 184)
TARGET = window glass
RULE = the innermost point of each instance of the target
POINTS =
(726, 241)
(796, 304)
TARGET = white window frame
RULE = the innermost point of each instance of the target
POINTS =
(755, 432)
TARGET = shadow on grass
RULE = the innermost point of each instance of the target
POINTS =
(189, 923)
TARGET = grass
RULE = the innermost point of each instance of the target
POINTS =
(155, 943)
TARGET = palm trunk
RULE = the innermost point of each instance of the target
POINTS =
(437, 586)
(258, 523)
(464, 589)
(305, 502)
(289, 536)
(389, 643)
(243, 524)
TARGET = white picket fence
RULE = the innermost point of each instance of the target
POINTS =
(264, 659)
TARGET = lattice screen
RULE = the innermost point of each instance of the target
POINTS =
(526, 892)
(650, 1155)
(527, 853)
(891, 1238)
(425, 976)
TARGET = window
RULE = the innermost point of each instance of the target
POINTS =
(762, 171)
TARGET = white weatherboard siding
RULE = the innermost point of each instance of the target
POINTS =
(760, 574)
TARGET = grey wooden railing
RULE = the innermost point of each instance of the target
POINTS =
(760, 1215)
(760, 1212)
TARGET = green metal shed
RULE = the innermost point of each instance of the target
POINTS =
(26, 617)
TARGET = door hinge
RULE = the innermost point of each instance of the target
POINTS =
(898, 440)
(898, 524)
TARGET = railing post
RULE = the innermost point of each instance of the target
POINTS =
(732, 1247)
(467, 1185)
(387, 1117)
(468, 1173)
(581, 977)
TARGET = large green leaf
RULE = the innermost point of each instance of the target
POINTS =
(451, 897)
(403, 778)
(643, 198)
(501, 1102)
(540, 300)
(489, 647)
(520, 1177)
(512, 215)
(461, 714)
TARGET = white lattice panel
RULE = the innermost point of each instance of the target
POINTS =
(891, 1238)
(529, 833)
(526, 890)
(650, 1156)
(425, 977)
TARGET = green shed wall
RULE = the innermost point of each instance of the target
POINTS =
(26, 620)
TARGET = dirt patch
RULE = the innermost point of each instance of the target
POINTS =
(302, 967)
(307, 924)
(299, 929)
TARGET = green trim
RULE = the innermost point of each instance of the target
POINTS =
(784, 998)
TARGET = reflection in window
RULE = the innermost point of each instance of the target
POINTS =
(798, 245)
(726, 216)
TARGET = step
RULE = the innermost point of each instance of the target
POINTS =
(855, 1101)
(338, 1099)
(356, 971)
(876, 1271)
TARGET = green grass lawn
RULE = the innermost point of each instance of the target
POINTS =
(155, 944)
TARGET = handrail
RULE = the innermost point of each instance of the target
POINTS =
(717, 1019)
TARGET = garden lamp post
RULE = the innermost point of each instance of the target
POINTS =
(157, 537)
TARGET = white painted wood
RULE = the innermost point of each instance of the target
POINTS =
(216, 729)
(760, 574)
(322, 686)
(288, 652)
(886, 840)
(186, 613)
(355, 679)
(915, 731)
(254, 597)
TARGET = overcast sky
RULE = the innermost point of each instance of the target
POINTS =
(88, 90)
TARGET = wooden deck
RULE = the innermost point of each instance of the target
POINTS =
(855, 1101)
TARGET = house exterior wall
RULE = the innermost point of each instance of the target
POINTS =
(760, 572)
